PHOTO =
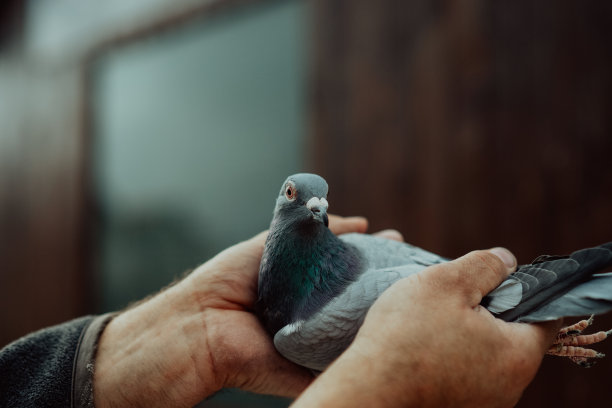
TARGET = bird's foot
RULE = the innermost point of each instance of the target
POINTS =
(569, 342)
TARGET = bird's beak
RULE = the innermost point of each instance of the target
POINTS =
(318, 207)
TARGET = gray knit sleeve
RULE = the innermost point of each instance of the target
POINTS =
(84, 362)
(42, 368)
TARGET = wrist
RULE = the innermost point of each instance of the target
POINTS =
(361, 376)
(155, 355)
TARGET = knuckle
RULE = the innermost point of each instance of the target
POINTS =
(485, 260)
(476, 273)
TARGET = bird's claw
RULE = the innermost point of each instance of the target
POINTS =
(569, 342)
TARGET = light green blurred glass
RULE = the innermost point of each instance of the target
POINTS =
(195, 129)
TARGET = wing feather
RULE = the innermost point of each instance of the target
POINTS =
(384, 253)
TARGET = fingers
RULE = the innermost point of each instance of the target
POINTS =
(285, 379)
(342, 225)
(529, 341)
(391, 234)
(260, 239)
(506, 257)
(545, 332)
(479, 272)
(275, 374)
(254, 244)
(338, 225)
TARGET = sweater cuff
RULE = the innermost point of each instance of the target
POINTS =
(83, 366)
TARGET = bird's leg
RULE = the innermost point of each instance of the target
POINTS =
(569, 342)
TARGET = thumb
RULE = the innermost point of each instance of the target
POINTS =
(482, 271)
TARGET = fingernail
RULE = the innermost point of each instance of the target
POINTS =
(506, 256)
(361, 220)
(391, 234)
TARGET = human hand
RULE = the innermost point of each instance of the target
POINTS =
(200, 336)
(242, 350)
(426, 342)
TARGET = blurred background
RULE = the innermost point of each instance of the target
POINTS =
(138, 139)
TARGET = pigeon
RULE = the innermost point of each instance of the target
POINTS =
(315, 288)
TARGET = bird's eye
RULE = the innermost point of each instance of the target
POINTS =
(290, 192)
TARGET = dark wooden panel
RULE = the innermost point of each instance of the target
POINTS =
(42, 279)
(470, 124)
(11, 23)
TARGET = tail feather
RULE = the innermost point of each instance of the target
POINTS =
(594, 259)
(574, 289)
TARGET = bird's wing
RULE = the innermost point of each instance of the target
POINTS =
(384, 253)
(555, 287)
(592, 297)
(315, 342)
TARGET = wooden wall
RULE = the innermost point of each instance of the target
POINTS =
(469, 124)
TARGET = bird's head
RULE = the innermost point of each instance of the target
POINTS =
(303, 199)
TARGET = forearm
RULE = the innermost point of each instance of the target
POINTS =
(146, 355)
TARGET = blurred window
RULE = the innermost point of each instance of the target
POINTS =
(195, 129)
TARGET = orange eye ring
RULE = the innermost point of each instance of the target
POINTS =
(290, 192)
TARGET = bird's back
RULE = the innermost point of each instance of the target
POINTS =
(385, 253)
